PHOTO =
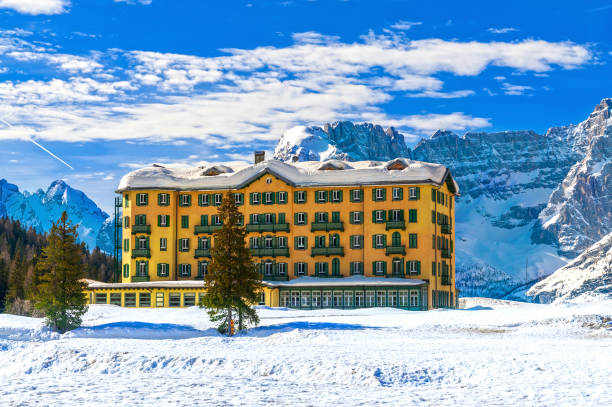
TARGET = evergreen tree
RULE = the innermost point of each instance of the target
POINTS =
(232, 283)
(4, 275)
(60, 289)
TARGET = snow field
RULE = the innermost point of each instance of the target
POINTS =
(493, 353)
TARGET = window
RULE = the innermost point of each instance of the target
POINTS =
(321, 196)
(413, 193)
(115, 299)
(381, 297)
(321, 268)
(300, 218)
(129, 299)
(184, 245)
(379, 216)
(126, 245)
(300, 197)
(239, 199)
(320, 241)
(396, 266)
(356, 241)
(284, 298)
(379, 267)
(334, 240)
(396, 239)
(142, 243)
(357, 217)
(282, 197)
(414, 298)
(282, 269)
(159, 300)
(397, 215)
(316, 299)
(326, 299)
(269, 218)
(254, 198)
(336, 267)
(189, 299)
(142, 268)
(142, 199)
(282, 242)
(218, 199)
(163, 270)
(126, 201)
(185, 222)
(216, 220)
(254, 243)
(141, 219)
(268, 268)
(300, 242)
(185, 200)
(379, 241)
(202, 268)
(101, 298)
(126, 270)
(321, 217)
(336, 195)
(433, 195)
(163, 221)
(126, 222)
(356, 195)
(378, 194)
(163, 244)
(269, 198)
(412, 240)
(356, 268)
(412, 215)
(144, 300)
(359, 299)
(268, 242)
(295, 299)
(305, 299)
(414, 266)
(203, 243)
(204, 199)
(185, 270)
(174, 300)
(163, 199)
(301, 269)
(397, 194)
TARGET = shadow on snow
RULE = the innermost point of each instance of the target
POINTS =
(141, 330)
(268, 330)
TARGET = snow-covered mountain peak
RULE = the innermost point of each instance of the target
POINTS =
(443, 133)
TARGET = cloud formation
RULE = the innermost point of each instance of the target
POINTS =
(504, 30)
(254, 95)
(35, 7)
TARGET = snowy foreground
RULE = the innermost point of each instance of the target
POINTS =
(493, 353)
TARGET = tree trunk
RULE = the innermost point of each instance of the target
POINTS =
(229, 321)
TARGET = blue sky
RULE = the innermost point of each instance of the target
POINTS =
(111, 85)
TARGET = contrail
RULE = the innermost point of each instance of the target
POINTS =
(41, 147)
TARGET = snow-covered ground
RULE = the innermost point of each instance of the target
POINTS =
(492, 353)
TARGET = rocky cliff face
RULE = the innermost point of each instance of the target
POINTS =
(530, 202)
(587, 277)
(41, 209)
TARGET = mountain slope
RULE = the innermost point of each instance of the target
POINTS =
(587, 277)
(507, 179)
(41, 209)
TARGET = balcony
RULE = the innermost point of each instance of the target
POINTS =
(141, 253)
(395, 275)
(267, 227)
(327, 251)
(208, 229)
(273, 252)
(327, 226)
(446, 254)
(141, 229)
(140, 279)
(396, 249)
(446, 229)
(118, 202)
(202, 253)
(395, 224)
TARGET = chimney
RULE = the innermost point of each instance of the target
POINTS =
(260, 156)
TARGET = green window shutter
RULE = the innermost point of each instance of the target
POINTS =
(384, 240)
(401, 194)
(326, 216)
(159, 201)
(295, 242)
(251, 198)
(188, 200)
(351, 217)
(158, 269)
(146, 196)
(159, 220)
(273, 196)
(327, 196)
(351, 196)
(340, 195)
(418, 266)
(401, 214)
(384, 217)
(389, 214)
(384, 198)
(433, 195)
(384, 267)
(204, 220)
(373, 216)
(418, 193)
(433, 217)
(360, 240)
(295, 218)
(295, 199)
(335, 217)
(273, 218)
(373, 194)
(374, 241)
(295, 269)
(281, 218)
(374, 268)
(261, 218)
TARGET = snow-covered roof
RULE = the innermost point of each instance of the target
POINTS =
(346, 282)
(92, 284)
(304, 173)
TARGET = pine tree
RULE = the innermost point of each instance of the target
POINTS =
(232, 283)
(60, 289)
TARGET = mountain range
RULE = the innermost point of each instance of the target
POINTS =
(529, 202)
(40, 209)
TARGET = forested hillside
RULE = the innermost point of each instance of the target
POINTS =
(19, 251)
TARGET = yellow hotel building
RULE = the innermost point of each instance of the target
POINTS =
(331, 234)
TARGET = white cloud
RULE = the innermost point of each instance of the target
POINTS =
(500, 78)
(143, 2)
(254, 95)
(405, 25)
(36, 6)
(510, 89)
(502, 30)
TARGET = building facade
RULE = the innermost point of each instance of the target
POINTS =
(324, 234)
